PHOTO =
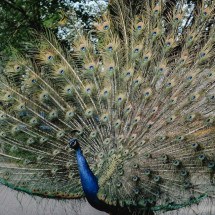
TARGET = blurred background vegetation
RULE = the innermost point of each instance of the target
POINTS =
(18, 17)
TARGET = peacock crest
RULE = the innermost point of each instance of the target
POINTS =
(137, 93)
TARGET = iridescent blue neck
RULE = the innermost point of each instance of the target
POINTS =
(89, 182)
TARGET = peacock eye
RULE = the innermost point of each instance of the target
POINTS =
(128, 73)
(154, 33)
(34, 81)
(157, 178)
(18, 68)
(119, 99)
(201, 157)
(202, 54)
(105, 92)
(91, 67)
(211, 164)
(106, 27)
(88, 90)
(195, 145)
(146, 58)
(176, 19)
(136, 191)
(205, 13)
(183, 172)
(110, 48)
(190, 38)
(61, 71)
(189, 78)
(212, 97)
(161, 69)
(118, 184)
(139, 27)
(193, 98)
(69, 90)
(147, 94)
(168, 44)
(176, 162)
(135, 178)
(169, 84)
(156, 11)
(50, 57)
(147, 172)
(83, 49)
(111, 68)
(136, 50)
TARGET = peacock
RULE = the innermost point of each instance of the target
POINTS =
(125, 119)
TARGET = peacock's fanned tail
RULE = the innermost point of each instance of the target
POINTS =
(138, 92)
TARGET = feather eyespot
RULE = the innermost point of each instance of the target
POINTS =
(50, 57)
(201, 157)
(193, 97)
(209, 74)
(157, 178)
(17, 68)
(176, 162)
(211, 165)
(147, 172)
(91, 67)
(3, 134)
(106, 27)
(139, 27)
(154, 33)
(209, 121)
(135, 166)
(212, 98)
(195, 145)
(168, 44)
(161, 69)
(136, 82)
(190, 38)
(190, 78)
(146, 58)
(128, 73)
(33, 81)
(110, 48)
(83, 48)
(61, 71)
(88, 90)
(136, 50)
(105, 92)
(169, 84)
(135, 178)
(184, 172)
(202, 54)
(111, 68)
(136, 191)
(118, 184)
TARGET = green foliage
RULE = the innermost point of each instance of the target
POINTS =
(19, 17)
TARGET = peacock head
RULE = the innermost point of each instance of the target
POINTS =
(73, 143)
